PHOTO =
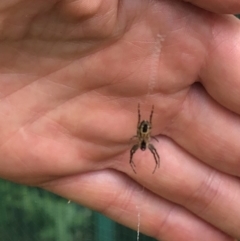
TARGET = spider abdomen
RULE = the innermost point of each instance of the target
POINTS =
(143, 145)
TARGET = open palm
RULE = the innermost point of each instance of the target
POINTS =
(72, 75)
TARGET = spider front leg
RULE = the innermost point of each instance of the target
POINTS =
(139, 114)
(133, 150)
(156, 156)
(151, 115)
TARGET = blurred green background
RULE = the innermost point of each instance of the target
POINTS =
(33, 214)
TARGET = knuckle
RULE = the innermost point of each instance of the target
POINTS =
(206, 194)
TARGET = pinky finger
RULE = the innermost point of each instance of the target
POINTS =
(120, 198)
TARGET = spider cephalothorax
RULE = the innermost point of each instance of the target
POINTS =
(144, 137)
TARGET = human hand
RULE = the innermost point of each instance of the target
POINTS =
(72, 75)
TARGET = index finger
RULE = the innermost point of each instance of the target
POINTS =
(218, 6)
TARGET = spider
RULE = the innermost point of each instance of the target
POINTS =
(144, 137)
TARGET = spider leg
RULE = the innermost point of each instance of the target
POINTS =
(133, 150)
(139, 114)
(153, 137)
(133, 137)
(151, 114)
(156, 156)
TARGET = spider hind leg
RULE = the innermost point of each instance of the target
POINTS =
(155, 155)
(133, 150)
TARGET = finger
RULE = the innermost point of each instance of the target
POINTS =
(209, 194)
(219, 6)
(221, 73)
(208, 131)
(121, 199)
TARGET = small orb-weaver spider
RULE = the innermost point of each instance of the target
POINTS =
(144, 137)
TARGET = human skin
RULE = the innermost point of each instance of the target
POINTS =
(71, 76)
